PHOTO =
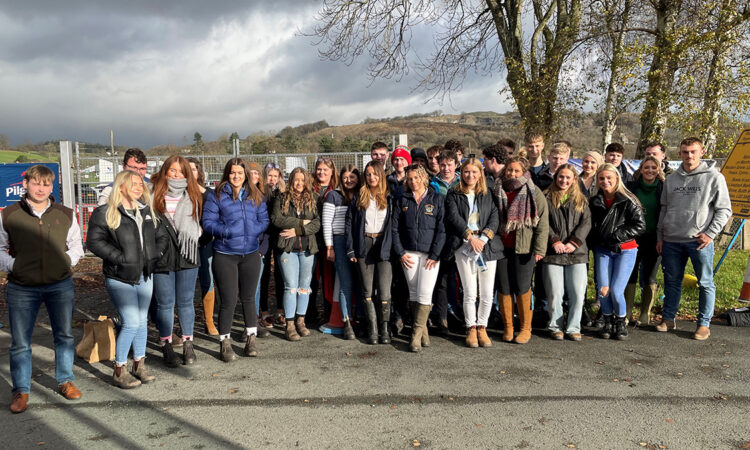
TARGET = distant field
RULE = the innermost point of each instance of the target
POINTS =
(10, 156)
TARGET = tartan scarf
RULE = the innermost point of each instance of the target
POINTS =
(522, 212)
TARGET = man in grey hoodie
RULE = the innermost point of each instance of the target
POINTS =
(695, 206)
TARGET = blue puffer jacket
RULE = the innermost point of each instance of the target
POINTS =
(235, 224)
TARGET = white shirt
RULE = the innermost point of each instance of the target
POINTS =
(73, 242)
(374, 217)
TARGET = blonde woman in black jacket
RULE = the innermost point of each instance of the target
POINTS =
(125, 234)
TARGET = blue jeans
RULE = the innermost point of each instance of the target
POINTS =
(23, 307)
(297, 270)
(560, 280)
(170, 288)
(674, 256)
(613, 271)
(257, 290)
(132, 302)
(344, 274)
(204, 271)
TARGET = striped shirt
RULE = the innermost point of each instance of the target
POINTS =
(333, 217)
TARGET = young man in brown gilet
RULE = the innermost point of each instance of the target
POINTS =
(43, 243)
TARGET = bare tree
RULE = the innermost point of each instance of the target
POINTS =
(470, 35)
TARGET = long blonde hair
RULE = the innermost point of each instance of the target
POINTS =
(481, 186)
(306, 200)
(555, 194)
(125, 178)
(620, 185)
(380, 192)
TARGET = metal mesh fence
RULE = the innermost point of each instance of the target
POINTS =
(729, 231)
(94, 173)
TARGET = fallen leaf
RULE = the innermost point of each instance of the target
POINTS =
(642, 444)
(669, 420)
(725, 365)
(214, 374)
(305, 381)
(502, 371)
(570, 445)
(233, 390)
(478, 425)
(744, 445)
(348, 354)
(415, 443)
(616, 380)
(394, 407)
(307, 401)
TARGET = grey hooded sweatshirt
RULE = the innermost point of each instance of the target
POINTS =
(693, 203)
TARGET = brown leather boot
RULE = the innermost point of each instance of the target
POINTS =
(471, 337)
(291, 331)
(208, 313)
(123, 379)
(506, 311)
(139, 371)
(226, 351)
(482, 338)
(525, 313)
(302, 330)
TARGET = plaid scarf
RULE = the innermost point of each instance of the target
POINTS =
(522, 212)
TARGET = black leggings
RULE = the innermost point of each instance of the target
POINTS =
(233, 274)
(265, 281)
(514, 272)
(647, 261)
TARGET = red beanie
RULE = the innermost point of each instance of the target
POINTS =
(401, 151)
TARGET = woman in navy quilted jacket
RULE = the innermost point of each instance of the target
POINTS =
(236, 216)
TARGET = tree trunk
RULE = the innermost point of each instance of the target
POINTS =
(661, 75)
(610, 104)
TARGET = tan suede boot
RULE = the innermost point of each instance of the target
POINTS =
(629, 301)
(471, 337)
(648, 295)
(208, 313)
(523, 302)
(421, 313)
(506, 311)
(484, 340)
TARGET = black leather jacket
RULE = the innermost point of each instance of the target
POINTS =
(120, 250)
(617, 224)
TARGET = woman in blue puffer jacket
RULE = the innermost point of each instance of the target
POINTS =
(236, 216)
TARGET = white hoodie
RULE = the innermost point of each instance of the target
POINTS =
(693, 203)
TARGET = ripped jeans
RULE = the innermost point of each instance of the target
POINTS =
(297, 271)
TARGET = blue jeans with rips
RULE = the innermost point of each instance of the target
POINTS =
(613, 271)
(674, 256)
(132, 302)
(297, 270)
(23, 307)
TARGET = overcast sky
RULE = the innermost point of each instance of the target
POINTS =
(156, 72)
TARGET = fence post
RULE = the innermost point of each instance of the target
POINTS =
(66, 176)
(80, 191)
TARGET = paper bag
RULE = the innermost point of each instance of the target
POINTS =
(98, 343)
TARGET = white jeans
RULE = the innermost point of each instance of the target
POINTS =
(473, 280)
(420, 280)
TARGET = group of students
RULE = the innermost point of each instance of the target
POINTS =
(494, 224)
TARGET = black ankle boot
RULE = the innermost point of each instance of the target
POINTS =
(188, 352)
(606, 331)
(620, 329)
(171, 359)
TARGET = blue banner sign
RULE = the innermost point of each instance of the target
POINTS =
(11, 181)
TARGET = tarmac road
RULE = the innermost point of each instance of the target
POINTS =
(653, 391)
